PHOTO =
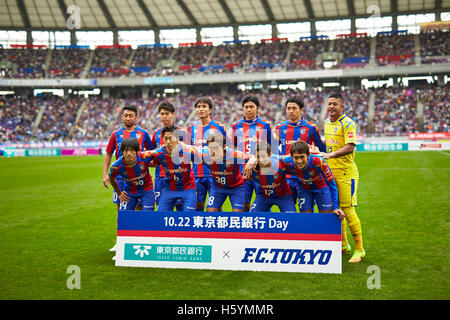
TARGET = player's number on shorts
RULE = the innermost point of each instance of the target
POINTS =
(301, 202)
(210, 201)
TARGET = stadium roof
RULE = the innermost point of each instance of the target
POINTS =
(158, 14)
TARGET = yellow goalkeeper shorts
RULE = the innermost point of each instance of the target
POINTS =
(347, 189)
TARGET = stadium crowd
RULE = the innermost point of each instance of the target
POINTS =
(395, 112)
(395, 49)
(68, 62)
(117, 61)
(436, 106)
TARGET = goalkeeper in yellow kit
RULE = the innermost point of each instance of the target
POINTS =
(340, 140)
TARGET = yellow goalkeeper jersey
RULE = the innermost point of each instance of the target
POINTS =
(337, 135)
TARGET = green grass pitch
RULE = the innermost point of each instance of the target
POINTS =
(55, 212)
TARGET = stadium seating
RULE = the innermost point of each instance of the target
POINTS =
(395, 112)
(435, 46)
(395, 49)
(392, 48)
(110, 61)
(68, 62)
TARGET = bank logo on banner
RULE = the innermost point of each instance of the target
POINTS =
(167, 252)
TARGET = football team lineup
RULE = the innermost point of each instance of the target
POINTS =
(42, 236)
(284, 167)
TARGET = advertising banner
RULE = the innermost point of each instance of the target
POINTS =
(283, 242)
(382, 147)
(80, 152)
(429, 135)
(42, 152)
(429, 146)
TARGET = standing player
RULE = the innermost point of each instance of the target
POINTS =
(296, 129)
(272, 188)
(130, 129)
(340, 139)
(247, 132)
(166, 112)
(177, 164)
(197, 134)
(134, 172)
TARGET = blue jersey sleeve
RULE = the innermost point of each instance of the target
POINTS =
(334, 194)
(318, 141)
(148, 144)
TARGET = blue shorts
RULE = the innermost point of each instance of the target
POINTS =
(250, 186)
(168, 200)
(160, 184)
(263, 204)
(322, 197)
(147, 200)
(217, 197)
(122, 186)
(295, 188)
(203, 185)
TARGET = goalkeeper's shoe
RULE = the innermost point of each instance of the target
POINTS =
(347, 248)
(357, 256)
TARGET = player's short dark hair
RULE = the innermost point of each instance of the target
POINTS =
(336, 95)
(206, 100)
(300, 147)
(263, 146)
(295, 99)
(166, 106)
(129, 107)
(217, 138)
(251, 98)
(129, 144)
(171, 128)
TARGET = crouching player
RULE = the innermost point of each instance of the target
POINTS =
(224, 165)
(134, 171)
(317, 183)
(272, 188)
(180, 179)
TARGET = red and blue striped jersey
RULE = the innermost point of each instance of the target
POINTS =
(137, 177)
(179, 174)
(196, 136)
(288, 133)
(158, 142)
(272, 184)
(226, 174)
(121, 134)
(246, 133)
(314, 176)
